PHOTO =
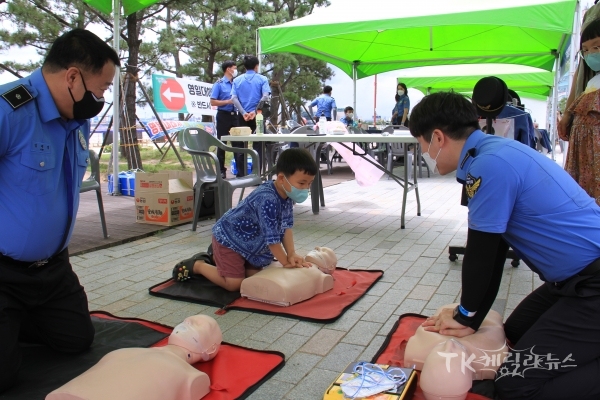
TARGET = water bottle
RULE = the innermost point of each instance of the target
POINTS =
(260, 128)
(322, 122)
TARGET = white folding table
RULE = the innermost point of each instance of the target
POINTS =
(350, 141)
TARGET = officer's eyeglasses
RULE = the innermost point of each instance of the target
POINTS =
(595, 49)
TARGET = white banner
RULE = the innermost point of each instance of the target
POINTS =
(180, 95)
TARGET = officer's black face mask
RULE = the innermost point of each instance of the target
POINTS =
(89, 106)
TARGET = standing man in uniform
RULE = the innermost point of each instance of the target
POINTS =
(227, 116)
(325, 105)
(517, 197)
(44, 132)
(250, 91)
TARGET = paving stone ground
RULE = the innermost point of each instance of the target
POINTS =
(362, 225)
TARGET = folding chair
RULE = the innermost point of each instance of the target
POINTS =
(93, 183)
(197, 142)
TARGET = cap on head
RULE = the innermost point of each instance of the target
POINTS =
(200, 335)
(489, 96)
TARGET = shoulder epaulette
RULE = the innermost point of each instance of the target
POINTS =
(17, 96)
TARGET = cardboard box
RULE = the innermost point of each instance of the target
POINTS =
(403, 392)
(164, 198)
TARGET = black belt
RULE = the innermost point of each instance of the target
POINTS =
(227, 112)
(592, 269)
(24, 264)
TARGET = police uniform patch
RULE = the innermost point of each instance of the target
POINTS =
(82, 140)
(472, 185)
(17, 96)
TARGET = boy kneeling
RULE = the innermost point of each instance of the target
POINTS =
(246, 238)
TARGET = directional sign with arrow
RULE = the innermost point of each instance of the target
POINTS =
(179, 95)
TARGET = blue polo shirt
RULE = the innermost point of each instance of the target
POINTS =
(249, 89)
(33, 194)
(348, 122)
(541, 212)
(221, 90)
(325, 104)
(401, 105)
(260, 220)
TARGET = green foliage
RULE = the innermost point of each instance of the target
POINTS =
(562, 104)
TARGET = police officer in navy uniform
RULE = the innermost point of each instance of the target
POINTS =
(227, 116)
(250, 92)
(44, 131)
(517, 197)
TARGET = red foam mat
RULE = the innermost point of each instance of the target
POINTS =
(234, 373)
(348, 287)
(392, 350)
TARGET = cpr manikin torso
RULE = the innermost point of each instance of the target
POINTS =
(449, 364)
(287, 286)
(162, 373)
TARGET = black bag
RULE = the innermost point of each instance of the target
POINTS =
(207, 205)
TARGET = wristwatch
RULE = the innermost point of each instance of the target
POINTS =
(463, 316)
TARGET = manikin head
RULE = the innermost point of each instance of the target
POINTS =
(324, 258)
(200, 335)
(446, 376)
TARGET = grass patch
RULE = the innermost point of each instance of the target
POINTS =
(151, 160)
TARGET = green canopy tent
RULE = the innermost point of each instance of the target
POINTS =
(526, 81)
(114, 6)
(364, 38)
(380, 37)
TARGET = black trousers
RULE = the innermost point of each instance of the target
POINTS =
(555, 333)
(240, 161)
(42, 305)
(225, 121)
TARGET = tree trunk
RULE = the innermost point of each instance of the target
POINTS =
(276, 92)
(128, 135)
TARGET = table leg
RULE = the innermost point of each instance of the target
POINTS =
(416, 151)
(405, 186)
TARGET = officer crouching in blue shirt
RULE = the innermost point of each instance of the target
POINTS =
(522, 199)
(44, 131)
(227, 116)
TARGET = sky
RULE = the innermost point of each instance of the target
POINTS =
(367, 102)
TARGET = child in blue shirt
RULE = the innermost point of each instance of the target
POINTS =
(247, 237)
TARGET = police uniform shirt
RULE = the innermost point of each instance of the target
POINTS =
(221, 90)
(541, 212)
(325, 104)
(249, 88)
(33, 189)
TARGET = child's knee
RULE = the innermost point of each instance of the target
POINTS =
(233, 284)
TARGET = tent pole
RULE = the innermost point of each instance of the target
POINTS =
(375, 102)
(354, 85)
(574, 45)
(554, 132)
(116, 93)
(258, 50)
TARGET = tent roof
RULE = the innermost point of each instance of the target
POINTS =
(129, 6)
(380, 38)
(526, 81)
